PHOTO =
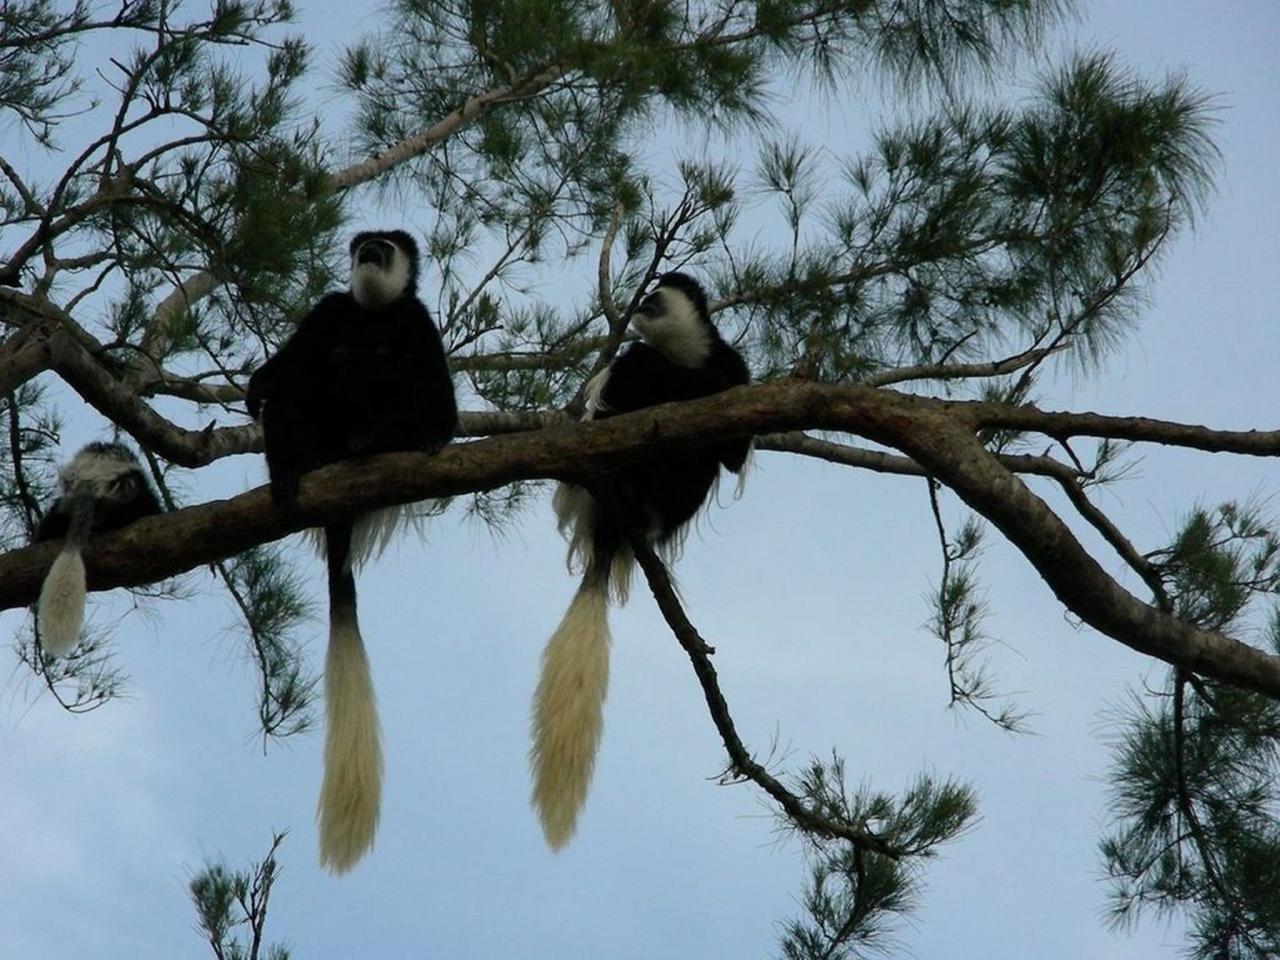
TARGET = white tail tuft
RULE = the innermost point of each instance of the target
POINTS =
(568, 713)
(351, 795)
(61, 608)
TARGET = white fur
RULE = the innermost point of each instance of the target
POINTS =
(575, 518)
(595, 394)
(60, 611)
(373, 286)
(371, 533)
(748, 465)
(568, 714)
(678, 332)
(351, 795)
(93, 473)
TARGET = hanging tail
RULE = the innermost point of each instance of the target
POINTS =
(568, 706)
(60, 610)
(350, 797)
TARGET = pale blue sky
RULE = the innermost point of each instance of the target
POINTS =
(810, 587)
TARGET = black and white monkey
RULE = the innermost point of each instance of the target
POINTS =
(102, 488)
(363, 374)
(681, 357)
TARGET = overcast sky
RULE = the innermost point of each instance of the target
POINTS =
(810, 587)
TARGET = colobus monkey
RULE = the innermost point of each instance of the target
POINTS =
(363, 374)
(682, 357)
(103, 488)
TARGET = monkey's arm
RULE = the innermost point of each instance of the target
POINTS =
(280, 365)
(639, 377)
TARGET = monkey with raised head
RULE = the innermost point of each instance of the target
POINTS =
(102, 488)
(364, 373)
(681, 356)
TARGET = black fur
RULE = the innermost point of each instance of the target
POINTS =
(354, 381)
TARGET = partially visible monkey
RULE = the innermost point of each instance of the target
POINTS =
(102, 488)
(681, 357)
(364, 373)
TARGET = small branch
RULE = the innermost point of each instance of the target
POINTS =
(844, 454)
(196, 287)
(30, 507)
(604, 277)
(699, 655)
(944, 621)
(1118, 541)
(877, 461)
(664, 237)
(955, 371)
(200, 284)
(33, 205)
(424, 140)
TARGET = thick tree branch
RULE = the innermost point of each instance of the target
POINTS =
(27, 353)
(1061, 425)
(938, 435)
(118, 402)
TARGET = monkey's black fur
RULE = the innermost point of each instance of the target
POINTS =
(120, 501)
(355, 380)
(666, 492)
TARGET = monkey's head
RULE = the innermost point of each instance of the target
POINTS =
(674, 320)
(384, 267)
(103, 471)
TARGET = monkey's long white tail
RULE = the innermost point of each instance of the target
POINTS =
(351, 794)
(568, 711)
(60, 611)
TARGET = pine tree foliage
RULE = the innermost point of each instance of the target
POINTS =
(855, 897)
(1195, 769)
(226, 901)
(190, 200)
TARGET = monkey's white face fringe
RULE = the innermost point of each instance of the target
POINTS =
(351, 795)
(679, 333)
(568, 715)
(95, 473)
(60, 610)
(374, 287)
